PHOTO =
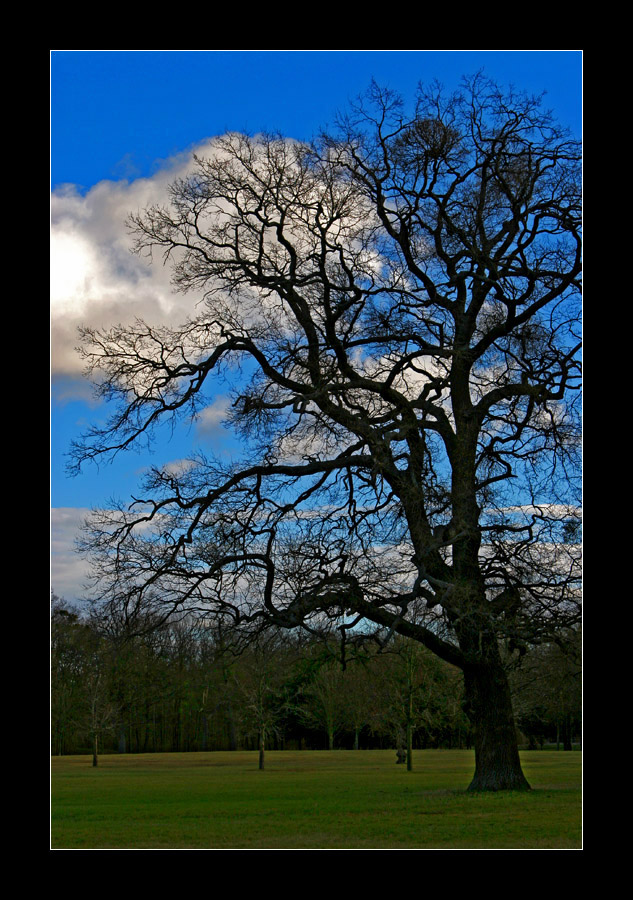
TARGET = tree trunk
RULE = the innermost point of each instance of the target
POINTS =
(231, 725)
(262, 743)
(401, 753)
(567, 736)
(205, 732)
(95, 750)
(497, 763)
(410, 731)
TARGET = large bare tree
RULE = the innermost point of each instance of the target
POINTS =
(396, 307)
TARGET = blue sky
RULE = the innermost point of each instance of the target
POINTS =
(121, 122)
(115, 113)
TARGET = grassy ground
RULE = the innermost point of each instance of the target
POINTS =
(310, 800)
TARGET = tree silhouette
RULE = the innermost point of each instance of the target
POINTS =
(402, 300)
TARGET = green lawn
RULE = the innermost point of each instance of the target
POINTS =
(310, 800)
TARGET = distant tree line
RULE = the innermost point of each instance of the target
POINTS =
(186, 687)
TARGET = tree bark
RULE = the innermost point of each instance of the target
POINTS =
(497, 763)
(230, 715)
(567, 735)
(205, 732)
(262, 743)
(410, 729)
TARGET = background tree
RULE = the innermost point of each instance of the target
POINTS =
(419, 699)
(407, 678)
(82, 700)
(547, 691)
(66, 668)
(262, 678)
(142, 676)
(97, 711)
(361, 697)
(403, 295)
(325, 699)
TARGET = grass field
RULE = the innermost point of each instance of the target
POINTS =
(343, 800)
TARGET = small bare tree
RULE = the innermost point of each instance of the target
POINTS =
(261, 678)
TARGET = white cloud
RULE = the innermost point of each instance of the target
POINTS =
(544, 510)
(179, 467)
(210, 419)
(95, 280)
(69, 571)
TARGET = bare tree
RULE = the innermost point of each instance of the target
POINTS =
(326, 700)
(261, 681)
(402, 299)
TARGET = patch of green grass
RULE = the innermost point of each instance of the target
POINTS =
(310, 800)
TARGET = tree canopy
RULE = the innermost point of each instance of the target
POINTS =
(395, 309)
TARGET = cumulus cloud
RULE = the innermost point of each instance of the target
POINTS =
(545, 510)
(211, 418)
(69, 571)
(178, 467)
(95, 280)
